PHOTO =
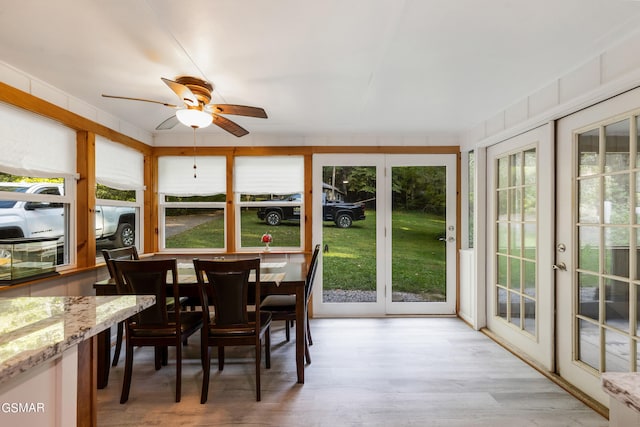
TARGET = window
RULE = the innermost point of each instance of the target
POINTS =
(37, 185)
(119, 179)
(192, 207)
(35, 207)
(268, 193)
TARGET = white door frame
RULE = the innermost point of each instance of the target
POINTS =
(383, 245)
(584, 378)
(540, 347)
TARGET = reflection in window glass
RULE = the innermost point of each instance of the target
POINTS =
(588, 152)
(617, 146)
(117, 218)
(44, 211)
(617, 304)
(589, 343)
(616, 354)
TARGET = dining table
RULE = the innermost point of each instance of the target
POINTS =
(276, 278)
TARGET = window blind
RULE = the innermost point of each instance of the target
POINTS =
(118, 166)
(175, 176)
(269, 174)
(35, 146)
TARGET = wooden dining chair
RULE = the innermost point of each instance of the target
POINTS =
(225, 285)
(156, 326)
(283, 307)
(127, 253)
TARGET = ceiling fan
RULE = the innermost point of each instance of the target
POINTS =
(196, 110)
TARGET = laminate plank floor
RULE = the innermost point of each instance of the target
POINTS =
(364, 372)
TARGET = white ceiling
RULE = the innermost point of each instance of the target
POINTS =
(411, 67)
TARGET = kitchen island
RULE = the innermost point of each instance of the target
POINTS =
(48, 356)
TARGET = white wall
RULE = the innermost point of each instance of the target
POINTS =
(613, 71)
(27, 83)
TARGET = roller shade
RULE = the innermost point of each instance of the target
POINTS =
(35, 146)
(269, 174)
(118, 166)
(175, 176)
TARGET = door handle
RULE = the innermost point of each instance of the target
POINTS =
(560, 266)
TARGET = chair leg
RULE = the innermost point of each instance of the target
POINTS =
(157, 353)
(309, 331)
(128, 369)
(267, 348)
(220, 358)
(258, 353)
(206, 366)
(307, 355)
(178, 371)
(287, 330)
(165, 356)
(119, 335)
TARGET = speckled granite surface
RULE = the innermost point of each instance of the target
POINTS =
(36, 329)
(624, 386)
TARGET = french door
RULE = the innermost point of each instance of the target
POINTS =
(598, 241)
(520, 296)
(399, 259)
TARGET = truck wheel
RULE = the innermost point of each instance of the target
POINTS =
(125, 235)
(343, 221)
(273, 218)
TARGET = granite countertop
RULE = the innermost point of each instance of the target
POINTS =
(36, 329)
(624, 386)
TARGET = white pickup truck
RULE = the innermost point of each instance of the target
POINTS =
(42, 219)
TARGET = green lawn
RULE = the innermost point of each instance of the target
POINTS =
(418, 262)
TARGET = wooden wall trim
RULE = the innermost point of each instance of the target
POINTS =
(85, 199)
(51, 111)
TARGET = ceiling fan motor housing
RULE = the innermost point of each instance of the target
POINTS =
(200, 88)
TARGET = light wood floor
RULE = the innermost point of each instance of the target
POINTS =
(364, 372)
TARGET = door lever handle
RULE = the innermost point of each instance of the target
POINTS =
(560, 266)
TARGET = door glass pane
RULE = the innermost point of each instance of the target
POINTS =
(589, 343)
(514, 316)
(616, 199)
(605, 203)
(349, 234)
(418, 222)
(588, 152)
(530, 315)
(589, 201)
(589, 248)
(617, 146)
(516, 229)
(616, 251)
(616, 300)
(588, 296)
(616, 351)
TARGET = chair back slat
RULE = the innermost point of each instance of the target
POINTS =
(311, 273)
(148, 277)
(126, 253)
(225, 284)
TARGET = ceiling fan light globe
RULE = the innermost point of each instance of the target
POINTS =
(194, 118)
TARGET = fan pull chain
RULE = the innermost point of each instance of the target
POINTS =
(195, 167)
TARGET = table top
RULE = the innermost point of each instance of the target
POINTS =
(36, 329)
(270, 273)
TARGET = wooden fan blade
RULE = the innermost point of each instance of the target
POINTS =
(140, 99)
(183, 92)
(229, 126)
(239, 110)
(168, 124)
